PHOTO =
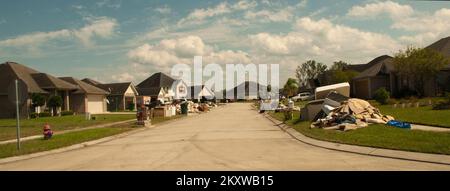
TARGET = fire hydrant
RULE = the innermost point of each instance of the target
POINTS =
(47, 131)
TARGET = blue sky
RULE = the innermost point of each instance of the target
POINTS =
(115, 40)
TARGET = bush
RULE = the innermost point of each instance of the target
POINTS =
(381, 96)
(45, 114)
(131, 106)
(34, 115)
(64, 113)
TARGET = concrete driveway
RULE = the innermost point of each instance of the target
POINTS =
(233, 137)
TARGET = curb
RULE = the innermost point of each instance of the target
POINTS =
(72, 147)
(362, 150)
(69, 131)
(86, 144)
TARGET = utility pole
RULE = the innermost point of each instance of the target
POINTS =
(17, 114)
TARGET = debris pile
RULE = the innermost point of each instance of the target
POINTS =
(351, 114)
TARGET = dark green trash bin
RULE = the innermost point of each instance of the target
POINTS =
(184, 108)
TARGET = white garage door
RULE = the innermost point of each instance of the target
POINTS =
(95, 104)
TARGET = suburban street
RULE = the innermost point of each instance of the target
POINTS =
(233, 137)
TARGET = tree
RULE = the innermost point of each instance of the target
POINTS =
(419, 66)
(339, 65)
(37, 100)
(309, 70)
(338, 73)
(55, 102)
(291, 87)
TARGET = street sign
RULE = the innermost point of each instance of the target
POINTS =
(18, 94)
(23, 92)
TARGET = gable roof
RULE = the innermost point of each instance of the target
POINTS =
(442, 46)
(157, 80)
(84, 88)
(35, 81)
(91, 81)
(382, 64)
(46, 81)
(362, 67)
(152, 91)
(117, 88)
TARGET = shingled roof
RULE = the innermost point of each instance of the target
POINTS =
(46, 81)
(115, 88)
(362, 67)
(382, 64)
(152, 91)
(84, 88)
(157, 80)
(442, 46)
(36, 82)
(91, 81)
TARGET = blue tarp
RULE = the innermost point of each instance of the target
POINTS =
(399, 124)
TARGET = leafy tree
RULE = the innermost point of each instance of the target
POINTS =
(418, 66)
(291, 87)
(54, 102)
(337, 73)
(339, 65)
(37, 100)
(309, 70)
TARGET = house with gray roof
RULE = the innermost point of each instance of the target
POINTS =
(121, 96)
(380, 72)
(36, 82)
(87, 98)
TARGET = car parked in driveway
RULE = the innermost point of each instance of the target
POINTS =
(302, 96)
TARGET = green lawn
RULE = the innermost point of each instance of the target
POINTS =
(420, 115)
(379, 136)
(34, 126)
(63, 140)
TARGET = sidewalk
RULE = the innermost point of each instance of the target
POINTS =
(68, 131)
(378, 152)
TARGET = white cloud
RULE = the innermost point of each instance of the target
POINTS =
(161, 56)
(199, 15)
(35, 38)
(163, 10)
(271, 16)
(371, 10)
(101, 27)
(325, 41)
(123, 77)
(115, 4)
(279, 44)
(428, 27)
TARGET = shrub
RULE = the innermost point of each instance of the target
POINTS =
(64, 113)
(381, 96)
(45, 114)
(34, 115)
(131, 106)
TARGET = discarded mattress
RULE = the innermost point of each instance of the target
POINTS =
(341, 88)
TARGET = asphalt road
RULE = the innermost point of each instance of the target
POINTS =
(233, 137)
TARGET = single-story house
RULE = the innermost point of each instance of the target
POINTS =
(87, 98)
(36, 82)
(120, 95)
(380, 72)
